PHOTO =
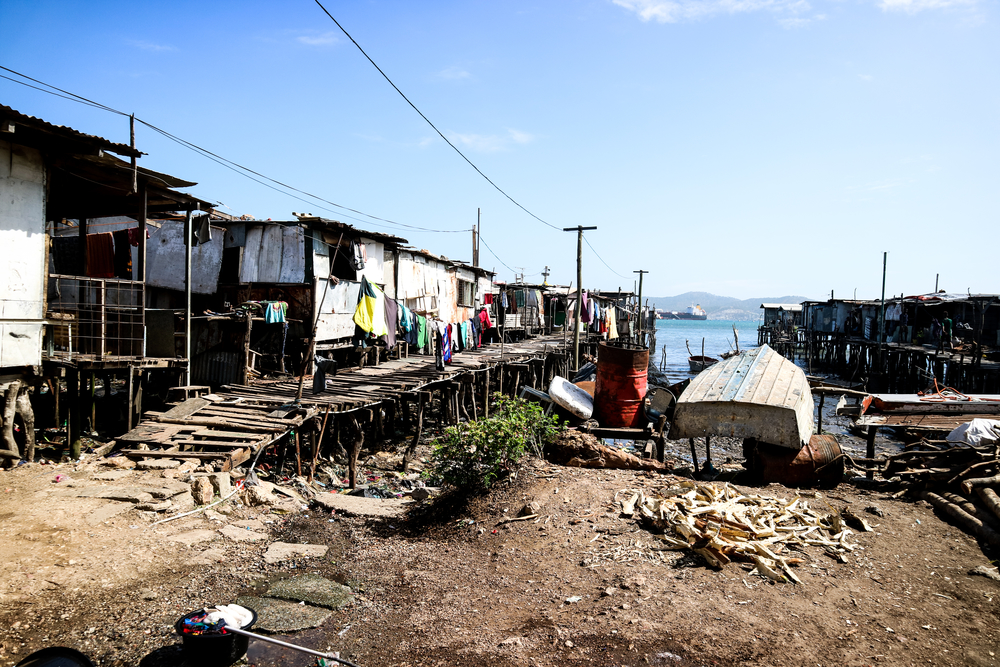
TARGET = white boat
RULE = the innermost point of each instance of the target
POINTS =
(756, 394)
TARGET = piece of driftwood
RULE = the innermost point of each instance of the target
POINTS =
(967, 521)
(582, 450)
(970, 484)
(990, 499)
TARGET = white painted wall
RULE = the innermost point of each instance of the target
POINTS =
(22, 255)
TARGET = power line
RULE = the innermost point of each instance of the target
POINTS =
(434, 127)
(602, 260)
(494, 254)
(229, 164)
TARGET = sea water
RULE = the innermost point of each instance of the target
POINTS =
(717, 334)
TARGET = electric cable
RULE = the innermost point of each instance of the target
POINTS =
(602, 259)
(494, 254)
(233, 166)
(427, 120)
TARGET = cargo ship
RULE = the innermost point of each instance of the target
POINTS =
(691, 313)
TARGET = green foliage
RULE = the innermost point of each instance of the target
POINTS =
(475, 454)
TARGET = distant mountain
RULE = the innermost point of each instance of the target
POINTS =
(721, 307)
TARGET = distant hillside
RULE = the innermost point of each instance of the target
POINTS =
(721, 307)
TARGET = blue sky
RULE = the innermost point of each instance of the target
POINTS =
(748, 148)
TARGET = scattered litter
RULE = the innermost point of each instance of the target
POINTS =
(572, 599)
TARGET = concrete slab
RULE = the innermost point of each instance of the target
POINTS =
(110, 475)
(312, 589)
(342, 503)
(280, 616)
(242, 534)
(157, 464)
(105, 513)
(280, 551)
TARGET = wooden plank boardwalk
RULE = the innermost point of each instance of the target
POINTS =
(227, 427)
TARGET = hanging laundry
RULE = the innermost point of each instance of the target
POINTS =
(423, 334)
(488, 298)
(484, 317)
(612, 324)
(447, 344)
(204, 232)
(324, 367)
(100, 255)
(391, 319)
(133, 236)
(438, 350)
(584, 308)
(275, 311)
(370, 313)
(357, 256)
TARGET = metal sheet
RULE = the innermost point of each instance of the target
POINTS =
(165, 252)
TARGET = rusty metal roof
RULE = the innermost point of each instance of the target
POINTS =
(38, 126)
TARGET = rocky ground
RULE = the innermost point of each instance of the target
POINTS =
(454, 581)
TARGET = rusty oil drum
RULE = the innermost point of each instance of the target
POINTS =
(621, 385)
(820, 463)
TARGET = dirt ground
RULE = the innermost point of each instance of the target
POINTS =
(454, 583)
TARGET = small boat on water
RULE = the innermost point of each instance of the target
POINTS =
(699, 363)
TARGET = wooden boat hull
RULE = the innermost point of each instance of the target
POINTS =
(700, 363)
(757, 394)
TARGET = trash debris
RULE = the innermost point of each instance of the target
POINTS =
(582, 450)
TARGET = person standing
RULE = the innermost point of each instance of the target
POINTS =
(946, 327)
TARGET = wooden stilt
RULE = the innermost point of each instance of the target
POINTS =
(411, 451)
(358, 440)
(694, 456)
(871, 449)
(74, 418)
(298, 456)
(319, 443)
(130, 388)
(708, 452)
(486, 394)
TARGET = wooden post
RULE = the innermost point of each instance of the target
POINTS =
(486, 395)
(661, 442)
(245, 372)
(423, 398)
(708, 452)
(460, 394)
(319, 442)
(472, 393)
(130, 387)
(579, 291)
(73, 414)
(819, 418)
(358, 441)
(298, 456)
(694, 456)
(92, 401)
(871, 449)
(8, 446)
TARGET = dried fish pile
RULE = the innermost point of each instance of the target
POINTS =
(721, 524)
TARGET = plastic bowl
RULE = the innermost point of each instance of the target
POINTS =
(211, 650)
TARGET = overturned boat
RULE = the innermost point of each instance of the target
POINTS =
(764, 398)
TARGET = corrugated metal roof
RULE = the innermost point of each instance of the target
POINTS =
(18, 118)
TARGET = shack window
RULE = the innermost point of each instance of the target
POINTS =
(466, 293)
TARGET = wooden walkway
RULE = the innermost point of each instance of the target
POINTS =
(228, 426)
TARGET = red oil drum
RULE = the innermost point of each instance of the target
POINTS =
(621, 385)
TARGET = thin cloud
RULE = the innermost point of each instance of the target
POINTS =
(493, 143)
(866, 77)
(800, 22)
(672, 11)
(454, 74)
(914, 6)
(150, 46)
(321, 39)
(792, 11)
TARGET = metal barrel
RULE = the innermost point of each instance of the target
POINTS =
(819, 463)
(621, 385)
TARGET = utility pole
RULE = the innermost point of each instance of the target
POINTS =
(638, 338)
(475, 237)
(579, 290)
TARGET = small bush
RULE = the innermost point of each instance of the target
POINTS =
(475, 454)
